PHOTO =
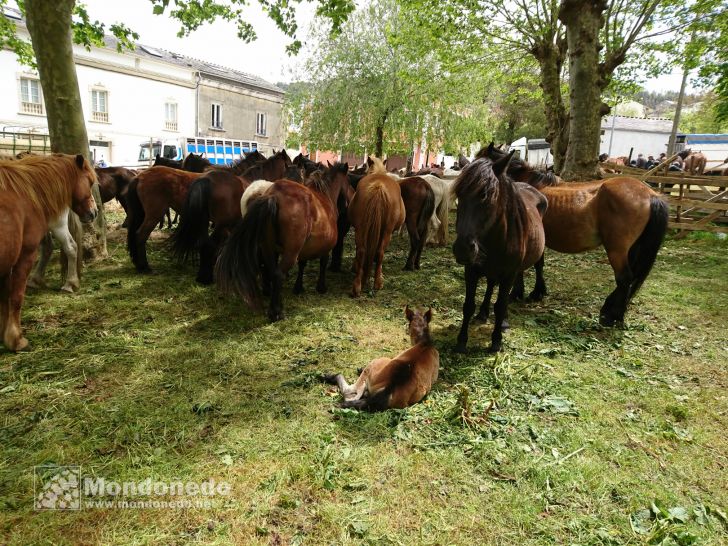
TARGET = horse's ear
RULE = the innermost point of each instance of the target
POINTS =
(408, 313)
(346, 165)
(491, 146)
(369, 161)
(428, 315)
(385, 162)
(500, 165)
(329, 163)
(79, 161)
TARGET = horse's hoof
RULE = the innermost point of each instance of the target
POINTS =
(321, 288)
(481, 317)
(378, 284)
(535, 297)
(68, 289)
(144, 270)
(408, 267)
(19, 345)
(516, 296)
(607, 321)
(298, 290)
(495, 348)
(335, 268)
(275, 317)
(206, 281)
(354, 294)
(505, 325)
(461, 348)
(35, 283)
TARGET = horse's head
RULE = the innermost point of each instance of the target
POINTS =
(419, 324)
(82, 200)
(338, 180)
(478, 192)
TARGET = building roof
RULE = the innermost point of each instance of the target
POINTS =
(204, 67)
(159, 54)
(647, 125)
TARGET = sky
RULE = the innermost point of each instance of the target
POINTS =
(218, 43)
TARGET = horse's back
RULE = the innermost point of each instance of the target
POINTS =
(379, 187)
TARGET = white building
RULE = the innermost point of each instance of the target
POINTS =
(647, 136)
(138, 96)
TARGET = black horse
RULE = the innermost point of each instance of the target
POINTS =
(499, 235)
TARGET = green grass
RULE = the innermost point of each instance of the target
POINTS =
(594, 435)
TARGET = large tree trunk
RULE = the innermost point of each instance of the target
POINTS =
(49, 24)
(556, 117)
(583, 19)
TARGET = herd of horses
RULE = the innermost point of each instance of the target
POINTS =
(248, 224)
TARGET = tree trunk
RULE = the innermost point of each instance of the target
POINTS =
(49, 24)
(551, 58)
(379, 146)
(583, 21)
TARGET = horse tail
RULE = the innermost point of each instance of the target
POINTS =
(373, 230)
(239, 263)
(428, 209)
(135, 217)
(194, 221)
(643, 252)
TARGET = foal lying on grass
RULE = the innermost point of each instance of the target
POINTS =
(395, 382)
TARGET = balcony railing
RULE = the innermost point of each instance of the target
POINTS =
(32, 108)
(170, 125)
(102, 117)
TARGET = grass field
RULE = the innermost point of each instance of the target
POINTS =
(596, 436)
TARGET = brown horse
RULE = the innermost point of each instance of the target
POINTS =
(34, 191)
(395, 382)
(288, 223)
(113, 184)
(621, 214)
(375, 212)
(695, 163)
(212, 198)
(197, 163)
(149, 196)
(419, 205)
(272, 168)
(499, 235)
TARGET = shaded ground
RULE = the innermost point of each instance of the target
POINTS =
(596, 436)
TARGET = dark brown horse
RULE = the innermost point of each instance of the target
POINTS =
(499, 235)
(419, 205)
(288, 223)
(160, 161)
(197, 163)
(34, 192)
(272, 168)
(113, 184)
(307, 164)
(149, 196)
(621, 214)
(212, 198)
(375, 212)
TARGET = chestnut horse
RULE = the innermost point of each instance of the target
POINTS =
(214, 197)
(34, 192)
(621, 214)
(287, 223)
(419, 206)
(395, 382)
(376, 211)
(198, 163)
(499, 235)
(149, 196)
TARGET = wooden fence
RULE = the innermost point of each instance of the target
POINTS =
(697, 202)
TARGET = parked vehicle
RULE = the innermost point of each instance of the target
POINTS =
(219, 151)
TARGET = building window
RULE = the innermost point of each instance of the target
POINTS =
(30, 97)
(261, 120)
(100, 105)
(216, 116)
(170, 116)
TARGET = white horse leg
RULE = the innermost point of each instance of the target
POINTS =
(70, 249)
(37, 277)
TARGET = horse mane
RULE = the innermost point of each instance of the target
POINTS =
(539, 179)
(45, 181)
(317, 181)
(376, 166)
(478, 181)
(516, 168)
